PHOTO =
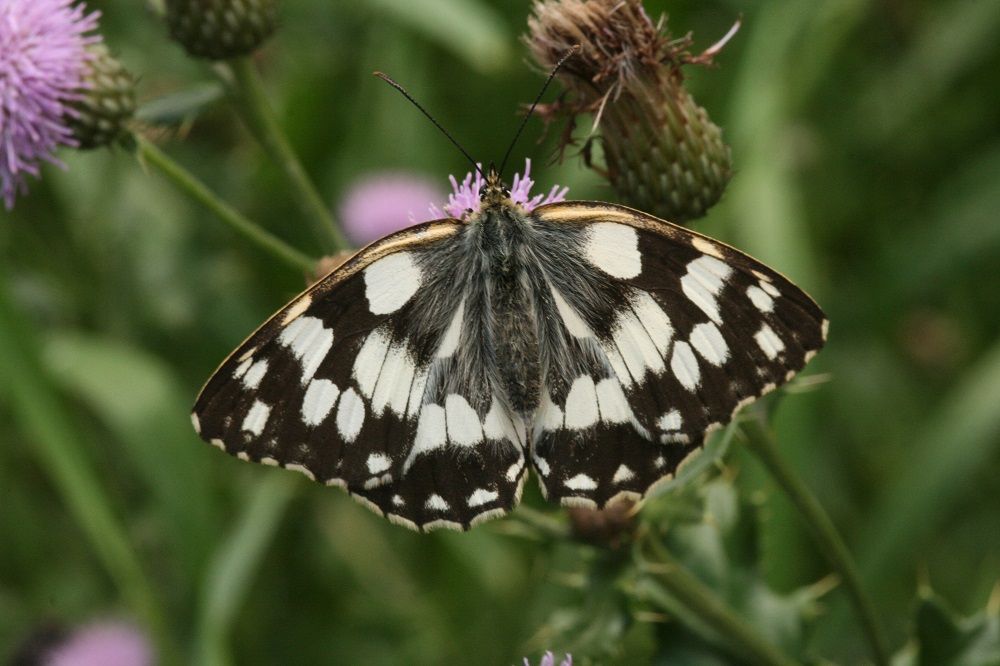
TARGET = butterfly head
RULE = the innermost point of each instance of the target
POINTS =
(494, 192)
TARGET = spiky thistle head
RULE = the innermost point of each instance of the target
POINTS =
(221, 29)
(43, 59)
(662, 152)
(106, 102)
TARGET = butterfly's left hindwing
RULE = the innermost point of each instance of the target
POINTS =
(344, 384)
(685, 331)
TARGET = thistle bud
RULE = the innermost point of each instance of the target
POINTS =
(105, 103)
(662, 152)
(221, 29)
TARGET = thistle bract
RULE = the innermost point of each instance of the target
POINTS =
(43, 58)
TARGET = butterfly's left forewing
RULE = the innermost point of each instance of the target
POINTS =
(348, 384)
(686, 330)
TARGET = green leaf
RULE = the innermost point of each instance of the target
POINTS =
(137, 397)
(471, 29)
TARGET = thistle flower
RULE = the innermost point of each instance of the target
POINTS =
(380, 204)
(43, 57)
(103, 644)
(464, 199)
(662, 152)
(98, 644)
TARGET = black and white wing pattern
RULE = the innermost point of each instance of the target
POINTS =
(351, 385)
(667, 334)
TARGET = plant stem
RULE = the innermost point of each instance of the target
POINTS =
(49, 428)
(251, 103)
(186, 182)
(760, 440)
(744, 641)
(231, 572)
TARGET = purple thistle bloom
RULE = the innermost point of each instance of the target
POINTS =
(102, 644)
(549, 659)
(43, 55)
(464, 200)
(380, 204)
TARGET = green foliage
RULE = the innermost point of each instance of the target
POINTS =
(866, 151)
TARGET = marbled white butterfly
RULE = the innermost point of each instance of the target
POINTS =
(591, 342)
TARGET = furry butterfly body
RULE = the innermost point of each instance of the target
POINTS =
(587, 341)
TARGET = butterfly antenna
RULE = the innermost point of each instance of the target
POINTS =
(387, 79)
(538, 99)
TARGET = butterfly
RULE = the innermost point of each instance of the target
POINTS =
(591, 343)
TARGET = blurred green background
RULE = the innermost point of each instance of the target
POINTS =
(866, 146)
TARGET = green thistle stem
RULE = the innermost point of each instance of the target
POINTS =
(49, 430)
(232, 570)
(186, 182)
(247, 92)
(674, 580)
(760, 441)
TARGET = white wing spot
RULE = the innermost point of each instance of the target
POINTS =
(431, 433)
(670, 421)
(514, 470)
(368, 362)
(760, 298)
(449, 343)
(436, 503)
(685, 366)
(614, 248)
(703, 281)
(769, 342)
(350, 415)
(398, 500)
(637, 348)
(296, 309)
(574, 323)
(481, 496)
(622, 474)
(256, 418)
(318, 402)
(391, 282)
(464, 428)
(706, 246)
(242, 368)
(394, 379)
(548, 415)
(255, 374)
(378, 463)
(654, 320)
(769, 288)
(708, 341)
(196, 423)
(301, 469)
(611, 399)
(581, 482)
(581, 404)
(660, 462)
(309, 341)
